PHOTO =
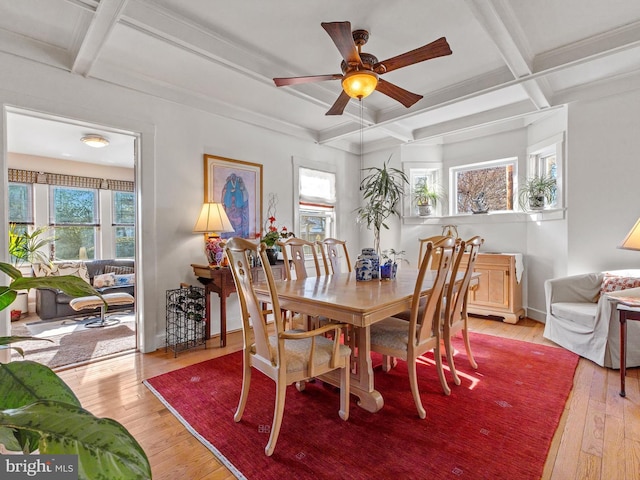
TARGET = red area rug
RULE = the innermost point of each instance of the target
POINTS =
(497, 425)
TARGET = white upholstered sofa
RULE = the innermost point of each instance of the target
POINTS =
(582, 317)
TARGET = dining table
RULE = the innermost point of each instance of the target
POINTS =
(360, 304)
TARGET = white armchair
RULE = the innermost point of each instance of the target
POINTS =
(586, 323)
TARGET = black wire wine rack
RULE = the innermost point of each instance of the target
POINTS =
(185, 319)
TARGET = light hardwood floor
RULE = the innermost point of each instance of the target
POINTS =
(598, 437)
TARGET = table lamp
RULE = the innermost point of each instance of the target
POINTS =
(632, 240)
(212, 221)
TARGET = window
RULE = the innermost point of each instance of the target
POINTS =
(316, 197)
(545, 159)
(420, 176)
(124, 215)
(543, 164)
(484, 187)
(73, 212)
(21, 203)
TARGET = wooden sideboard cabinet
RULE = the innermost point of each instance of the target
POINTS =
(498, 292)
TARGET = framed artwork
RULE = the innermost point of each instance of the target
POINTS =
(238, 186)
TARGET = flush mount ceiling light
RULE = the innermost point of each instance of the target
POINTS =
(94, 140)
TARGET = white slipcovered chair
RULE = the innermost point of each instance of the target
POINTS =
(584, 321)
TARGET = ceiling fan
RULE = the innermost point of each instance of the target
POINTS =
(361, 71)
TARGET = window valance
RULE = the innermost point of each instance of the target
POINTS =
(30, 176)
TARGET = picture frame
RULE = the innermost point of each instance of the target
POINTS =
(237, 185)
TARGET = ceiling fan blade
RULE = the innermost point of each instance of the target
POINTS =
(340, 33)
(340, 104)
(403, 96)
(437, 48)
(282, 82)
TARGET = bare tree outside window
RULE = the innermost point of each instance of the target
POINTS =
(492, 187)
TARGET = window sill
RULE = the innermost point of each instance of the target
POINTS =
(491, 217)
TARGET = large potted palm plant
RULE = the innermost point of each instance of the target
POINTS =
(38, 411)
(25, 247)
(382, 189)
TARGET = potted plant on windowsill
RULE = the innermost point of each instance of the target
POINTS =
(537, 192)
(38, 411)
(425, 197)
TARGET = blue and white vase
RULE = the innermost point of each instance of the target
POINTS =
(370, 254)
(363, 269)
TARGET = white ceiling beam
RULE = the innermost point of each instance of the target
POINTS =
(477, 120)
(589, 49)
(150, 86)
(500, 23)
(225, 51)
(105, 18)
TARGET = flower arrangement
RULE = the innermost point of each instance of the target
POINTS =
(272, 236)
(214, 250)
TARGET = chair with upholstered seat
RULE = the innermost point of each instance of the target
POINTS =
(455, 315)
(334, 251)
(285, 356)
(397, 338)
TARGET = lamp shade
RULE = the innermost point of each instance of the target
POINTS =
(632, 240)
(213, 219)
(360, 83)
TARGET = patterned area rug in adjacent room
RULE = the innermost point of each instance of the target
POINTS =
(497, 425)
(72, 341)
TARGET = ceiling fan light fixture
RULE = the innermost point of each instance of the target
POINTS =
(94, 140)
(360, 83)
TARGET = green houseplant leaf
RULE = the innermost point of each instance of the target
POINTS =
(104, 447)
(38, 410)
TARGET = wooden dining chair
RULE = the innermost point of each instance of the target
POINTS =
(435, 240)
(423, 244)
(293, 252)
(334, 251)
(397, 338)
(285, 356)
(455, 315)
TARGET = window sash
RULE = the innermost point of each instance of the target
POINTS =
(82, 202)
(21, 203)
(123, 205)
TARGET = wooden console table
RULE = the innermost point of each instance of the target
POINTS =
(220, 281)
(626, 311)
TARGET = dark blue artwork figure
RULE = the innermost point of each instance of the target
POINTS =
(235, 199)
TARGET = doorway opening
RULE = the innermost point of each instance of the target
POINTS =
(82, 200)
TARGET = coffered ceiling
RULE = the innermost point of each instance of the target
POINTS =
(512, 60)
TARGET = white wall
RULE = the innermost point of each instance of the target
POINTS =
(603, 197)
(170, 171)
